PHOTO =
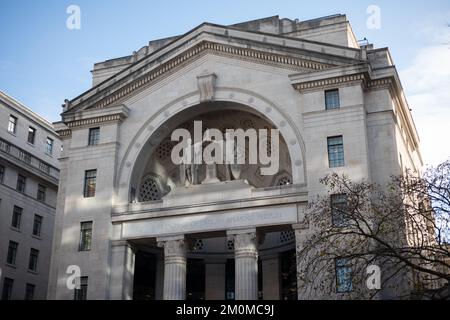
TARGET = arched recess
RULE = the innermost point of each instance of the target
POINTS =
(160, 123)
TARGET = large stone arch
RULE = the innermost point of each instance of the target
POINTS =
(156, 123)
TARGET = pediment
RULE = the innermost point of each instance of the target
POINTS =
(295, 54)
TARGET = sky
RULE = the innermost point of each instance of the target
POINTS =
(43, 62)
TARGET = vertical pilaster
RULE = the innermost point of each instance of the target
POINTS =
(246, 263)
(122, 270)
(174, 267)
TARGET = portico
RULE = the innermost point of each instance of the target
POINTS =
(216, 232)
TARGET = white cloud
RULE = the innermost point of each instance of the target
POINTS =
(427, 85)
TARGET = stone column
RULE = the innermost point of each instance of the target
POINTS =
(122, 270)
(174, 267)
(246, 263)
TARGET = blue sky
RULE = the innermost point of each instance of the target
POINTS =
(42, 62)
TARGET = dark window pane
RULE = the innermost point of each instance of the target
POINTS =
(37, 225)
(31, 135)
(17, 217)
(90, 180)
(41, 193)
(49, 146)
(81, 293)
(12, 253)
(7, 288)
(336, 152)
(332, 99)
(29, 291)
(2, 173)
(343, 276)
(34, 255)
(338, 210)
(94, 136)
(85, 236)
(12, 125)
(21, 183)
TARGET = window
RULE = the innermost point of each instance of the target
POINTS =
(332, 99)
(343, 276)
(37, 225)
(21, 183)
(336, 152)
(29, 291)
(81, 293)
(90, 181)
(31, 135)
(85, 236)
(94, 136)
(338, 206)
(49, 146)
(2, 173)
(12, 253)
(7, 289)
(16, 217)
(41, 193)
(12, 125)
(34, 255)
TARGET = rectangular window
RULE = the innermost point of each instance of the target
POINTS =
(49, 146)
(16, 217)
(90, 181)
(81, 294)
(12, 125)
(338, 210)
(7, 288)
(37, 225)
(31, 135)
(34, 256)
(94, 136)
(2, 173)
(85, 236)
(336, 152)
(41, 193)
(332, 99)
(12, 253)
(29, 291)
(343, 276)
(21, 183)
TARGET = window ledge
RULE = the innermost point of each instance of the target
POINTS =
(31, 144)
(16, 229)
(36, 237)
(32, 272)
(11, 265)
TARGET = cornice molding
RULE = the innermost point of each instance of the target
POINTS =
(323, 83)
(174, 64)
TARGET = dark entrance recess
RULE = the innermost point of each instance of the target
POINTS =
(288, 268)
(144, 276)
(195, 279)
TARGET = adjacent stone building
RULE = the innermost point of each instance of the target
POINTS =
(29, 173)
(135, 229)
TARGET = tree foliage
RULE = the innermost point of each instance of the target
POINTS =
(402, 227)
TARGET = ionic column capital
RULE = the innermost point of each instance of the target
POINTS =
(173, 246)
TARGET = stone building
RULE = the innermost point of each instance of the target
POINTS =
(29, 152)
(135, 229)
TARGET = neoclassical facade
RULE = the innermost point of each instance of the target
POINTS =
(135, 229)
